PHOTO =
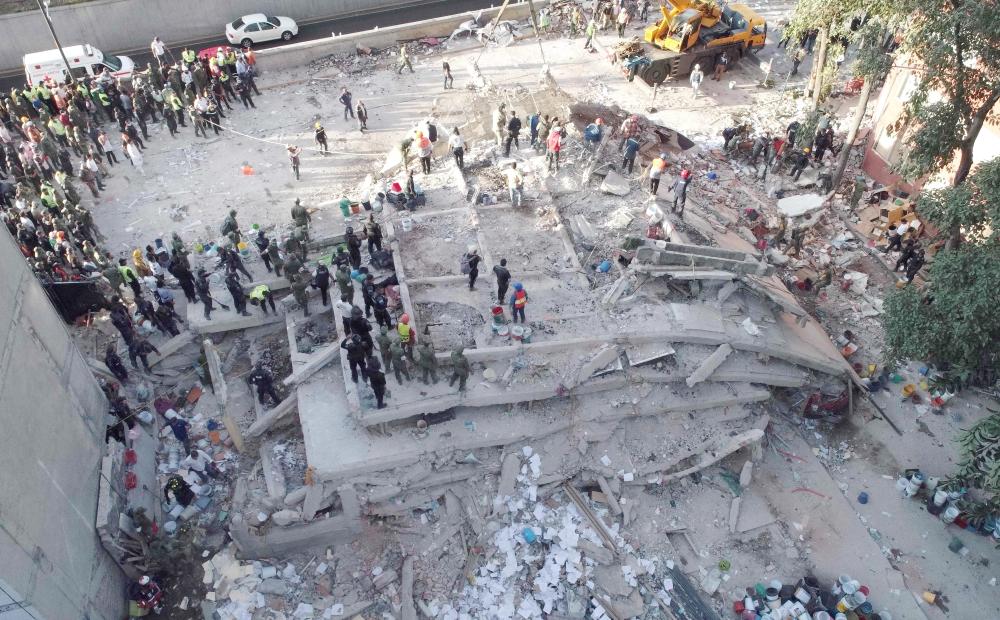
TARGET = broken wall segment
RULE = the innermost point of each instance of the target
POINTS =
(662, 255)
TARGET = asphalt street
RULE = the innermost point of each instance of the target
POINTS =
(308, 31)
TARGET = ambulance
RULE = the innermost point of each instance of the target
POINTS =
(84, 61)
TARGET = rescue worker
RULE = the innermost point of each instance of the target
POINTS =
(353, 247)
(274, 254)
(204, 292)
(261, 295)
(321, 280)
(239, 296)
(300, 291)
(384, 343)
(167, 318)
(404, 60)
(471, 261)
(141, 348)
(381, 307)
(503, 279)
(427, 362)
(407, 337)
(320, 137)
(262, 378)
(344, 283)
(553, 145)
(800, 160)
(399, 366)
(656, 169)
(301, 217)
(513, 133)
(230, 228)
(518, 300)
(373, 233)
(180, 490)
(368, 293)
(355, 355)
(460, 369)
(680, 191)
(376, 379)
(115, 364)
(129, 277)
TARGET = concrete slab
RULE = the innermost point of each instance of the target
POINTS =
(281, 542)
(274, 478)
(711, 363)
(339, 448)
(227, 320)
(170, 347)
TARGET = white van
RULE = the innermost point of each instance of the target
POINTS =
(84, 60)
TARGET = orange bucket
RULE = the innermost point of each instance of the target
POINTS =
(247, 170)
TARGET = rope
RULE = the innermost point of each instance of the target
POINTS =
(281, 144)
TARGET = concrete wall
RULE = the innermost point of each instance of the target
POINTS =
(52, 414)
(297, 54)
(121, 26)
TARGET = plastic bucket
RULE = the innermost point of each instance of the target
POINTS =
(517, 333)
(503, 331)
(526, 336)
(950, 514)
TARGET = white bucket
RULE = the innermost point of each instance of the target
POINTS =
(950, 514)
(145, 417)
(170, 527)
(407, 224)
(803, 595)
(940, 497)
(913, 486)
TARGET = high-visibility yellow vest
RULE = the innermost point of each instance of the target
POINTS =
(127, 274)
(259, 292)
(188, 56)
(404, 332)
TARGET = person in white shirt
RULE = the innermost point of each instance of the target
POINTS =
(201, 464)
(515, 184)
(159, 50)
(457, 145)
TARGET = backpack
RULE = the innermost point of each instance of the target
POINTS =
(432, 132)
(466, 264)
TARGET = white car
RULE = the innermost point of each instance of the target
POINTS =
(258, 28)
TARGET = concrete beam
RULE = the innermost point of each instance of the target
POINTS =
(217, 325)
(435, 404)
(711, 363)
(281, 542)
(215, 372)
(274, 478)
(320, 359)
(508, 478)
(312, 501)
(170, 347)
(272, 417)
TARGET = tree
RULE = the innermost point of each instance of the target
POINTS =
(972, 207)
(956, 324)
(953, 44)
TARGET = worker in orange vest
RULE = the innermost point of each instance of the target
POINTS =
(518, 300)
(656, 171)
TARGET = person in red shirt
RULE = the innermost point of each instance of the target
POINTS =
(553, 144)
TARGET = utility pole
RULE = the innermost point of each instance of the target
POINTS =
(43, 6)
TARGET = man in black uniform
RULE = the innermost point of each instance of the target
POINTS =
(141, 348)
(356, 357)
(204, 292)
(368, 294)
(321, 280)
(115, 364)
(503, 279)
(263, 243)
(239, 296)
(353, 248)
(376, 378)
(361, 327)
(264, 380)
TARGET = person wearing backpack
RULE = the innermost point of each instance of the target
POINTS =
(470, 266)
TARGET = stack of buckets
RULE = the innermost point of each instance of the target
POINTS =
(846, 600)
(500, 327)
(939, 501)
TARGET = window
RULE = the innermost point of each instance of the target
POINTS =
(264, 26)
(273, 20)
(113, 63)
(252, 28)
(909, 85)
(237, 24)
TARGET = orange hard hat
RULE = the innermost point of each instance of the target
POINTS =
(405, 319)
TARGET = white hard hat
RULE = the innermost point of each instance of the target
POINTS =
(170, 414)
(144, 580)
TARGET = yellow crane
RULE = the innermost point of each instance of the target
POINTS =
(698, 32)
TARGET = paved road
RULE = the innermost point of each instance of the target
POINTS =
(308, 31)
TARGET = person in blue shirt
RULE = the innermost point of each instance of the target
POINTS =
(593, 133)
(533, 126)
(629, 151)
(179, 426)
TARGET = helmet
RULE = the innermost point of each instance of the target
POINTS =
(144, 580)
(384, 330)
(405, 319)
(356, 338)
(685, 174)
(350, 230)
(420, 134)
(599, 121)
(807, 150)
(318, 125)
(518, 286)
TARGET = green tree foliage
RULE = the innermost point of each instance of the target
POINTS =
(953, 43)
(972, 207)
(957, 321)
